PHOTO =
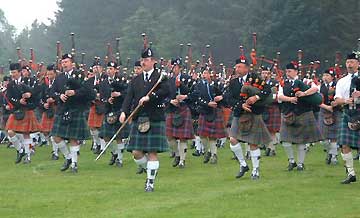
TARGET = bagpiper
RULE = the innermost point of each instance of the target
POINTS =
(72, 98)
(247, 123)
(329, 115)
(148, 130)
(298, 124)
(210, 123)
(347, 94)
(113, 91)
(22, 120)
(47, 107)
(179, 123)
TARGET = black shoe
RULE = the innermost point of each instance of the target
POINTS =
(247, 155)
(97, 150)
(54, 157)
(19, 156)
(182, 164)
(349, 179)
(149, 186)
(328, 159)
(243, 170)
(176, 161)
(196, 153)
(140, 170)
(118, 163)
(172, 155)
(74, 169)
(267, 152)
(255, 175)
(291, 166)
(113, 159)
(213, 159)
(207, 157)
(300, 167)
(273, 153)
(66, 165)
(26, 160)
(43, 143)
(192, 145)
(357, 156)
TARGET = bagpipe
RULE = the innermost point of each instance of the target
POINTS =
(314, 99)
(254, 87)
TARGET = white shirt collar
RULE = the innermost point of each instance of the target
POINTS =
(149, 73)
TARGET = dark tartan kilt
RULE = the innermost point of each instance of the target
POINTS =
(306, 130)
(215, 129)
(76, 129)
(46, 123)
(347, 136)
(95, 120)
(273, 118)
(195, 126)
(153, 141)
(186, 130)
(26, 125)
(329, 132)
(4, 118)
(257, 135)
(108, 131)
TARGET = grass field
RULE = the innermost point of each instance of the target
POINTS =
(98, 190)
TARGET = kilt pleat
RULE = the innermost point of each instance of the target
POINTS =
(215, 129)
(95, 120)
(46, 123)
(108, 131)
(306, 130)
(186, 130)
(273, 121)
(329, 132)
(76, 129)
(26, 125)
(153, 141)
(347, 136)
(257, 135)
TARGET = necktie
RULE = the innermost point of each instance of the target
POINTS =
(146, 77)
(208, 90)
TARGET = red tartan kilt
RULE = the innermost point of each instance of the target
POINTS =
(215, 129)
(46, 123)
(26, 125)
(186, 130)
(95, 120)
(273, 123)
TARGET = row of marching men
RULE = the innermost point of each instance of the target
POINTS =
(253, 99)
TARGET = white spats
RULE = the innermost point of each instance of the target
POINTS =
(142, 162)
(63, 149)
(255, 158)
(289, 151)
(237, 149)
(74, 153)
(349, 163)
(152, 168)
(301, 153)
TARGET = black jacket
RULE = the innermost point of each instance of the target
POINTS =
(84, 93)
(138, 88)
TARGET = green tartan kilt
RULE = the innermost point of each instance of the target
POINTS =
(347, 136)
(76, 129)
(108, 131)
(305, 130)
(153, 141)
